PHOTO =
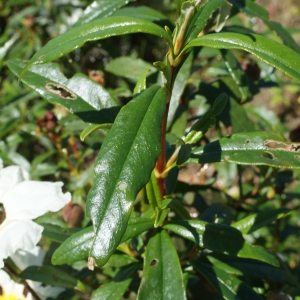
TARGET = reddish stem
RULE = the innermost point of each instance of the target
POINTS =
(161, 162)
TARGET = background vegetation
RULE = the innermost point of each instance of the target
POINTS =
(54, 144)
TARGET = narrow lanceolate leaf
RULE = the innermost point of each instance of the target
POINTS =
(77, 246)
(226, 285)
(92, 31)
(258, 220)
(257, 11)
(249, 267)
(79, 94)
(219, 238)
(162, 278)
(123, 167)
(116, 288)
(254, 148)
(53, 276)
(129, 67)
(100, 9)
(57, 233)
(273, 53)
(141, 12)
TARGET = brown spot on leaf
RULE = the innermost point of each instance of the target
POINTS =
(60, 90)
(153, 262)
(278, 145)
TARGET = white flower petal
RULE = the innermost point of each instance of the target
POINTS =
(31, 199)
(24, 259)
(9, 177)
(16, 235)
(47, 291)
(9, 287)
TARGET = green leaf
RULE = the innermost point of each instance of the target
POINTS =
(53, 276)
(284, 35)
(95, 30)
(258, 220)
(153, 192)
(273, 53)
(267, 119)
(178, 88)
(90, 128)
(141, 12)
(129, 67)
(219, 238)
(228, 286)
(207, 120)
(100, 9)
(80, 95)
(250, 267)
(141, 83)
(124, 164)
(238, 75)
(162, 277)
(77, 246)
(136, 226)
(116, 288)
(201, 18)
(57, 233)
(253, 10)
(255, 148)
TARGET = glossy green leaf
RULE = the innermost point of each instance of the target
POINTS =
(228, 286)
(124, 164)
(57, 233)
(120, 260)
(80, 95)
(100, 9)
(116, 288)
(285, 36)
(223, 16)
(153, 192)
(141, 83)
(202, 125)
(219, 238)
(90, 128)
(178, 88)
(238, 75)
(201, 18)
(77, 246)
(233, 115)
(137, 226)
(258, 220)
(267, 119)
(162, 277)
(129, 67)
(273, 53)
(250, 267)
(254, 10)
(255, 148)
(141, 12)
(92, 31)
(53, 276)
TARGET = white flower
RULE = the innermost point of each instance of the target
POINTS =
(10, 289)
(24, 200)
(13, 290)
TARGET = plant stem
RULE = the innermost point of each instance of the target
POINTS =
(24, 282)
(161, 162)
